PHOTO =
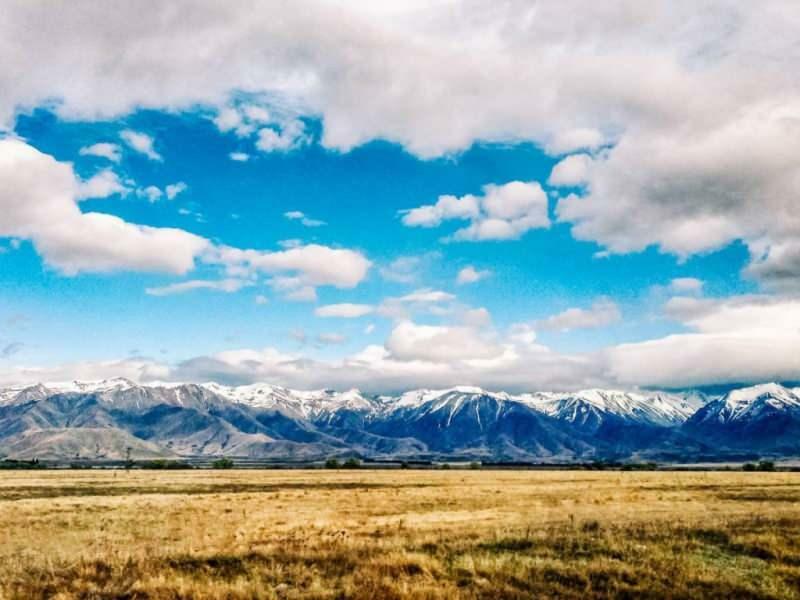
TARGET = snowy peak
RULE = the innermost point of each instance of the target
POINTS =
(294, 403)
(90, 387)
(749, 403)
(592, 407)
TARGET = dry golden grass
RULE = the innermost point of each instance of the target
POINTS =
(397, 534)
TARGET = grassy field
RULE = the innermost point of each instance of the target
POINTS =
(398, 534)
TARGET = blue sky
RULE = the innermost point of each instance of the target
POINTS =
(654, 244)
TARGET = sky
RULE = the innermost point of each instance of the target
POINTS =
(515, 195)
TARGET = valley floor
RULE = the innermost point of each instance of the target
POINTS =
(398, 534)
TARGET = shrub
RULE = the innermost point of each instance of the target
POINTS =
(762, 465)
(332, 463)
(474, 466)
(222, 463)
(165, 464)
(10, 463)
(352, 463)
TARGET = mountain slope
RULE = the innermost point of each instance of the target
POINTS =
(264, 421)
(766, 417)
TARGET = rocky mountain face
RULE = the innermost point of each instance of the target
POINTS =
(765, 416)
(102, 420)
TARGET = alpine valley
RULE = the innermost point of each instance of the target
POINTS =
(112, 419)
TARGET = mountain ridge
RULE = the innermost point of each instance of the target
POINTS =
(262, 420)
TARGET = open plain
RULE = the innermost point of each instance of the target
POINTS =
(392, 534)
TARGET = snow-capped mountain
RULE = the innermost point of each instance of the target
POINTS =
(302, 404)
(766, 416)
(748, 404)
(590, 409)
(262, 420)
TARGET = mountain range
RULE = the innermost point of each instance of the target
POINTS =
(108, 419)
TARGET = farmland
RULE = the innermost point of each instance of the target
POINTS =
(397, 534)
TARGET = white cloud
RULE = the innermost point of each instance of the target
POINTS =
(470, 274)
(151, 193)
(224, 285)
(570, 140)
(734, 340)
(775, 264)
(261, 300)
(141, 143)
(106, 150)
(296, 215)
(283, 138)
(476, 317)
(571, 171)
(503, 212)
(421, 300)
(239, 156)
(602, 313)
(344, 310)
(701, 105)
(686, 285)
(446, 207)
(312, 264)
(409, 341)
(173, 189)
(101, 185)
(38, 202)
(737, 314)
(426, 295)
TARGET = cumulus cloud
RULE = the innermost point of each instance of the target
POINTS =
(106, 150)
(735, 340)
(141, 143)
(503, 212)
(437, 343)
(570, 140)
(344, 310)
(239, 156)
(742, 339)
(101, 185)
(571, 171)
(696, 111)
(422, 300)
(224, 285)
(173, 189)
(150, 193)
(686, 285)
(602, 313)
(299, 270)
(470, 274)
(38, 202)
(283, 138)
(296, 215)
